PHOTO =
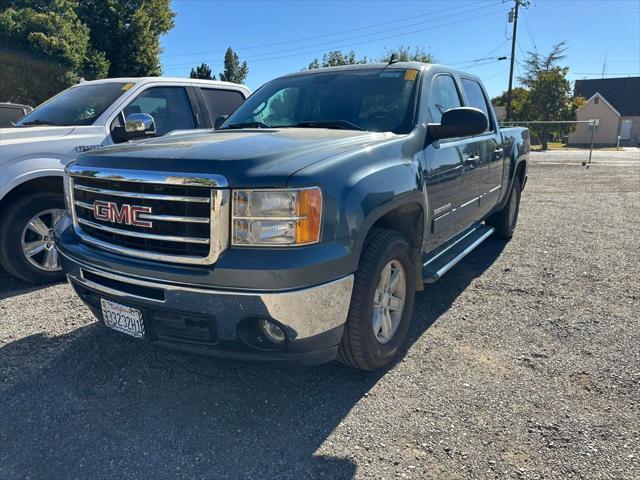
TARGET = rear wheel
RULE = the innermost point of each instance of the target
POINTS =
(381, 303)
(27, 248)
(505, 220)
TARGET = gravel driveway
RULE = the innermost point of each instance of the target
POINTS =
(523, 362)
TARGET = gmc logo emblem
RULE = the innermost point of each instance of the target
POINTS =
(127, 214)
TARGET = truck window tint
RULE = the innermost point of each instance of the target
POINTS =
(221, 102)
(79, 105)
(169, 107)
(475, 97)
(10, 115)
(444, 96)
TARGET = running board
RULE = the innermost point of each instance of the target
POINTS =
(442, 261)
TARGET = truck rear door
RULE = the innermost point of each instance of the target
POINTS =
(486, 178)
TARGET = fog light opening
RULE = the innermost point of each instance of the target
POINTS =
(262, 334)
(272, 331)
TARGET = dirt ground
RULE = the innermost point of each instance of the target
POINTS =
(523, 362)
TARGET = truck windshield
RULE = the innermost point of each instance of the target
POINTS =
(79, 105)
(380, 100)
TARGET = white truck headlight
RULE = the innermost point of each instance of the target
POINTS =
(276, 217)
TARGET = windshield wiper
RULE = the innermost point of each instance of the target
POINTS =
(342, 124)
(40, 122)
(248, 125)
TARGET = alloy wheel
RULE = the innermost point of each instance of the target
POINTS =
(38, 245)
(388, 301)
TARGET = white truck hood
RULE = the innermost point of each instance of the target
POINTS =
(23, 134)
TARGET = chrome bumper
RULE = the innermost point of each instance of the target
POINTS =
(302, 313)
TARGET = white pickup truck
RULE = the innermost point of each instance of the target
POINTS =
(86, 116)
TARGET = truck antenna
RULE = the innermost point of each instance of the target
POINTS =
(393, 59)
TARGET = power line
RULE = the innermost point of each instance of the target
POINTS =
(259, 58)
(351, 30)
(496, 74)
(332, 42)
(526, 25)
(574, 10)
(608, 73)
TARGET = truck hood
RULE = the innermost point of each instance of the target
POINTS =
(251, 158)
(28, 134)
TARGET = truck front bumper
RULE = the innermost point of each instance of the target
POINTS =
(221, 322)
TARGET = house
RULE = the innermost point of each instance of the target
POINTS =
(615, 104)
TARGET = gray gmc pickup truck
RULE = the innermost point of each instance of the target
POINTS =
(301, 229)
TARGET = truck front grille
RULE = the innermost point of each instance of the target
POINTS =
(162, 217)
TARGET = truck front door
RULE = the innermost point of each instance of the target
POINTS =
(451, 167)
(169, 106)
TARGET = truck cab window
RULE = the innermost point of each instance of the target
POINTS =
(220, 101)
(169, 107)
(476, 98)
(444, 96)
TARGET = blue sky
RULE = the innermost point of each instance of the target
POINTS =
(280, 36)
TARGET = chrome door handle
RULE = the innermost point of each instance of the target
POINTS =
(472, 159)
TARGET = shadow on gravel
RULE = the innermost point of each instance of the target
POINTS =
(10, 285)
(105, 406)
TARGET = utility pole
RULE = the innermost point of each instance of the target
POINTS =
(513, 58)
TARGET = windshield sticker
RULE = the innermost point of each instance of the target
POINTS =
(410, 75)
(390, 74)
(127, 86)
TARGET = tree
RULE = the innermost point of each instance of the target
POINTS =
(335, 58)
(234, 71)
(45, 48)
(203, 72)
(404, 54)
(519, 103)
(128, 32)
(549, 92)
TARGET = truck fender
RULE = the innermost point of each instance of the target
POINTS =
(518, 156)
(51, 169)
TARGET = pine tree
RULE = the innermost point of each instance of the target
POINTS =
(234, 71)
(203, 71)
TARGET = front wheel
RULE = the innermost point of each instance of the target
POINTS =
(27, 248)
(381, 303)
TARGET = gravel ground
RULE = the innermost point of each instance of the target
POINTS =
(523, 362)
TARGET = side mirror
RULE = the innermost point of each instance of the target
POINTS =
(459, 122)
(139, 125)
(219, 121)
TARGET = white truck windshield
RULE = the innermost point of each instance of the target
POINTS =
(78, 105)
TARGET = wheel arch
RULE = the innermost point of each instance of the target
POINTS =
(51, 182)
(406, 214)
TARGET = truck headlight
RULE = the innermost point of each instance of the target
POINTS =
(276, 217)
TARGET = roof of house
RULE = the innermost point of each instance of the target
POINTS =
(621, 93)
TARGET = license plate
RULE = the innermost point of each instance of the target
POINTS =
(122, 318)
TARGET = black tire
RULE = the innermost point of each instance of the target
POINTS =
(359, 347)
(505, 220)
(18, 214)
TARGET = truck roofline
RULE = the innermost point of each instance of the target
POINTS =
(424, 67)
(142, 80)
